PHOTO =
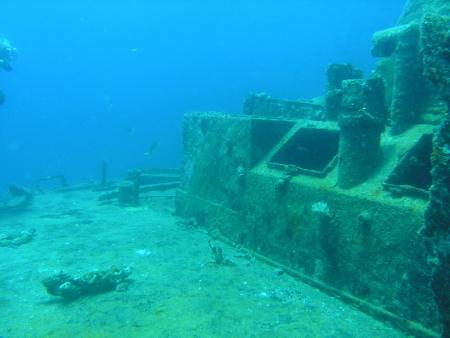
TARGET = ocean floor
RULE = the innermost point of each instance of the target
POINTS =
(177, 290)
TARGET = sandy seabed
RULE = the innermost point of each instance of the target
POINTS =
(177, 290)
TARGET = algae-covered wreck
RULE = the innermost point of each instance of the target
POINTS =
(350, 192)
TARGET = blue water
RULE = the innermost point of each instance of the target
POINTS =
(107, 80)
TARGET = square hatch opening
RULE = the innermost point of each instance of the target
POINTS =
(412, 175)
(312, 151)
(265, 135)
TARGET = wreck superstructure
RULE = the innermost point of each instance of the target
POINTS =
(349, 191)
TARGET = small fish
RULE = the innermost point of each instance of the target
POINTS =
(131, 130)
(134, 50)
(17, 191)
(153, 147)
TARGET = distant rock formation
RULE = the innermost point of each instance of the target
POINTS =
(8, 54)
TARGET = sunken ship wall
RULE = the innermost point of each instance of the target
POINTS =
(349, 192)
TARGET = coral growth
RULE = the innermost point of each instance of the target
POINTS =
(68, 287)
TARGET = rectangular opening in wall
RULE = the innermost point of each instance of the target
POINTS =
(312, 150)
(266, 134)
(412, 175)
